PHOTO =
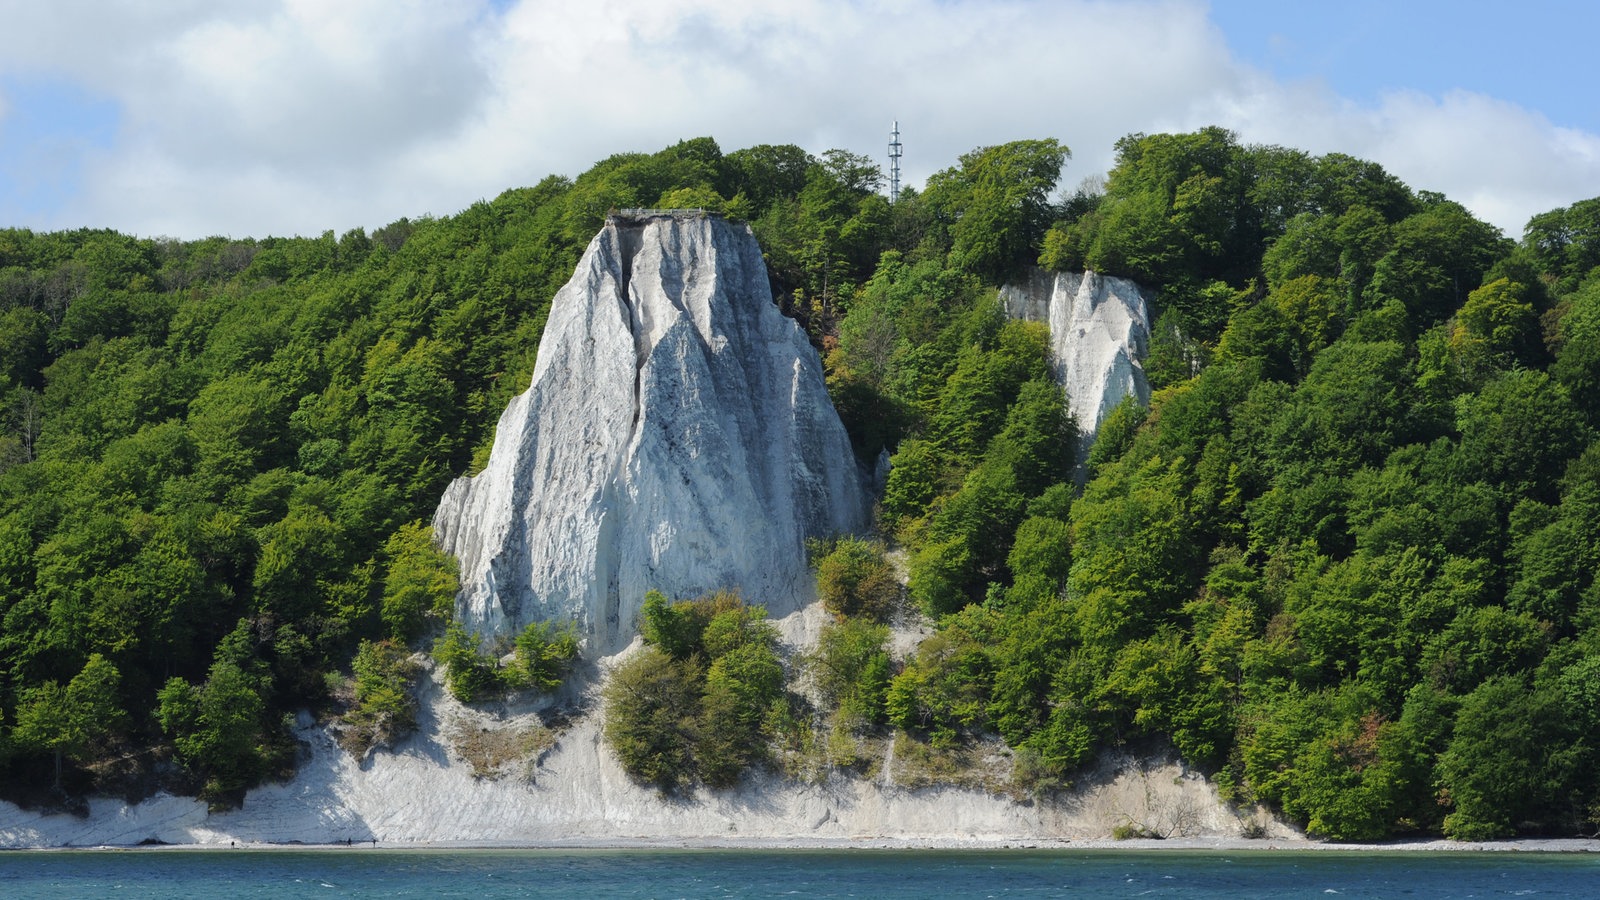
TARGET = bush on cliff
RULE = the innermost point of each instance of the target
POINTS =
(855, 579)
(694, 704)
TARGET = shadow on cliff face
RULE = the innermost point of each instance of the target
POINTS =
(131, 774)
(308, 809)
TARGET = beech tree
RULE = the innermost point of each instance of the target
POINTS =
(996, 204)
(72, 721)
(217, 728)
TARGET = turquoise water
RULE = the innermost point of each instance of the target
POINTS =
(487, 874)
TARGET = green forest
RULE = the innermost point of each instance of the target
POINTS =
(1344, 564)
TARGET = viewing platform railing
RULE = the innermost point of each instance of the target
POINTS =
(639, 213)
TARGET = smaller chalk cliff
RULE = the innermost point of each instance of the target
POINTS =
(1099, 335)
(677, 435)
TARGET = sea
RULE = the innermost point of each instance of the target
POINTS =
(488, 874)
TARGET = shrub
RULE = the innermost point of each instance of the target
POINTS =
(740, 688)
(944, 687)
(652, 703)
(419, 584)
(544, 652)
(471, 674)
(384, 710)
(669, 627)
(855, 579)
(851, 669)
(733, 629)
(705, 626)
(218, 730)
(672, 720)
(939, 576)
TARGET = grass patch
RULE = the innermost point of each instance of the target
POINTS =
(980, 765)
(494, 753)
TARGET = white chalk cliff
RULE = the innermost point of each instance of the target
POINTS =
(677, 436)
(1099, 335)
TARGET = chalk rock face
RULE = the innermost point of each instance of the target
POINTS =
(677, 435)
(1099, 335)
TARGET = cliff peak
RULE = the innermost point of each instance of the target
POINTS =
(677, 435)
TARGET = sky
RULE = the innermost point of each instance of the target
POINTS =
(191, 118)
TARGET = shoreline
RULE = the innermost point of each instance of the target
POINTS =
(779, 845)
(424, 796)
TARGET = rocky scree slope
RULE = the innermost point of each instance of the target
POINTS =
(677, 435)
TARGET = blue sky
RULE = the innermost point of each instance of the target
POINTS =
(50, 126)
(254, 117)
(1538, 54)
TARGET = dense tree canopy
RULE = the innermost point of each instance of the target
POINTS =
(215, 456)
(1345, 562)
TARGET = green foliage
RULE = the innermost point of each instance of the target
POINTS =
(1354, 503)
(1565, 243)
(1514, 759)
(238, 429)
(1577, 347)
(851, 669)
(74, 721)
(1435, 258)
(1333, 761)
(681, 629)
(1171, 691)
(1499, 316)
(1286, 330)
(544, 652)
(733, 625)
(707, 626)
(1345, 560)
(1176, 209)
(916, 478)
(1116, 434)
(944, 688)
(419, 584)
(219, 729)
(652, 704)
(994, 204)
(740, 688)
(471, 674)
(1004, 424)
(1519, 432)
(385, 709)
(855, 579)
(821, 240)
(941, 574)
(1042, 549)
(673, 719)
(668, 627)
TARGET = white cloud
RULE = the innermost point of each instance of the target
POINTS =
(317, 83)
(1504, 162)
(298, 116)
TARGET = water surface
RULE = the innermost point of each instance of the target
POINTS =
(489, 874)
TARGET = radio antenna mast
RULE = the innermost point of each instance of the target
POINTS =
(894, 163)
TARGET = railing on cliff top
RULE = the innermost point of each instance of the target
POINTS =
(636, 214)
